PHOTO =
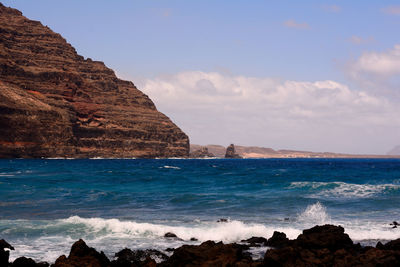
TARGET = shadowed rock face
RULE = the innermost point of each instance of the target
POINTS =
(55, 103)
(231, 153)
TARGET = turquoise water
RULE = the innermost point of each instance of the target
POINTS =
(46, 205)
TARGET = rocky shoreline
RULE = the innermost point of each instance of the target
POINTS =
(325, 245)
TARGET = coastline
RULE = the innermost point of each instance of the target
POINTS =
(325, 245)
(47, 205)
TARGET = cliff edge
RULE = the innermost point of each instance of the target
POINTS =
(55, 103)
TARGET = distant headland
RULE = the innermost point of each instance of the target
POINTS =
(264, 152)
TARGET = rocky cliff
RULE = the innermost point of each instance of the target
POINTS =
(55, 103)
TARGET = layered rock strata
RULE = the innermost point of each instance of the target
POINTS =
(55, 103)
(231, 153)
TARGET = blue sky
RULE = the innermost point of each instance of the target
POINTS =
(220, 69)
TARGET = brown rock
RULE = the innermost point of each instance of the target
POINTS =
(201, 153)
(209, 254)
(127, 257)
(54, 103)
(328, 245)
(82, 255)
(327, 236)
(278, 240)
(231, 153)
(170, 235)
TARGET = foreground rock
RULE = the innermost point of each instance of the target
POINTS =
(231, 153)
(82, 255)
(55, 103)
(328, 245)
(4, 254)
(210, 254)
(127, 257)
(325, 245)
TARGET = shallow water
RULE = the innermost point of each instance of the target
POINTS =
(46, 205)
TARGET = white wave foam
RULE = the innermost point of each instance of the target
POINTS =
(231, 231)
(112, 235)
(347, 190)
(314, 214)
(170, 167)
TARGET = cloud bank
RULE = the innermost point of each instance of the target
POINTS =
(319, 115)
(378, 63)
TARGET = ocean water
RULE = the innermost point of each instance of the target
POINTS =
(48, 204)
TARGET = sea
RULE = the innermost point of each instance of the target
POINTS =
(48, 204)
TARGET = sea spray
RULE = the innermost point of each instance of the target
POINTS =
(313, 215)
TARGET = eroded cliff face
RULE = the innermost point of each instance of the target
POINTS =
(55, 103)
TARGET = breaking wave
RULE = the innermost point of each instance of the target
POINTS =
(347, 190)
(46, 240)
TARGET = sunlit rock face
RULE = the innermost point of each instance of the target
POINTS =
(55, 103)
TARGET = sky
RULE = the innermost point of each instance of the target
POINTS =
(304, 75)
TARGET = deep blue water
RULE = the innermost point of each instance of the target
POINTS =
(45, 204)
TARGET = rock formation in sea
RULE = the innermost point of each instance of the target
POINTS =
(56, 103)
(231, 153)
(201, 153)
(266, 152)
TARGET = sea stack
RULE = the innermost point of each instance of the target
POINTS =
(231, 153)
(201, 153)
(56, 103)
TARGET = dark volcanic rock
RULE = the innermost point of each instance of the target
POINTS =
(326, 236)
(328, 245)
(391, 245)
(231, 153)
(256, 241)
(201, 153)
(55, 103)
(278, 240)
(4, 255)
(127, 257)
(172, 236)
(28, 262)
(210, 254)
(82, 255)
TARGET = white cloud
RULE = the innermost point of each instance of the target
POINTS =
(321, 115)
(384, 64)
(296, 25)
(358, 40)
(392, 10)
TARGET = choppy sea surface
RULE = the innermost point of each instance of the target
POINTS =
(47, 204)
